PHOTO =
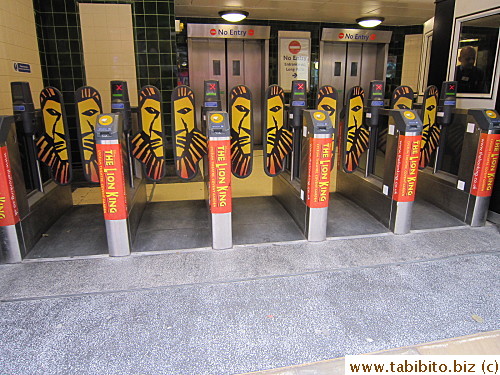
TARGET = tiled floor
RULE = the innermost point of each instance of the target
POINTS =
(250, 308)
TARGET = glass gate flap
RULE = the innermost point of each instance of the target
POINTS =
(278, 139)
(190, 144)
(241, 119)
(149, 143)
(88, 107)
(430, 130)
(53, 145)
(356, 133)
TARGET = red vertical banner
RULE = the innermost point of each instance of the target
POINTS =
(488, 151)
(112, 180)
(9, 212)
(219, 164)
(319, 167)
(407, 160)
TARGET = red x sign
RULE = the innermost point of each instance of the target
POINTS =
(378, 87)
(118, 87)
(213, 86)
(300, 86)
(452, 87)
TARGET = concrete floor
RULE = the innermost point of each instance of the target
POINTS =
(250, 308)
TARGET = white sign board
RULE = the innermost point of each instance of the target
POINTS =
(294, 61)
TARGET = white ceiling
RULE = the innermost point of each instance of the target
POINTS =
(396, 12)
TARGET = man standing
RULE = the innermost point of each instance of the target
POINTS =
(469, 77)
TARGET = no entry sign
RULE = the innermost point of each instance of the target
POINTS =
(294, 47)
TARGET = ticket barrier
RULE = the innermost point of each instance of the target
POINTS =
(218, 179)
(307, 201)
(41, 206)
(40, 200)
(117, 202)
(389, 199)
(466, 195)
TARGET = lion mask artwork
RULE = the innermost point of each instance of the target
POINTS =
(88, 107)
(356, 131)
(430, 131)
(240, 114)
(53, 145)
(278, 139)
(190, 144)
(148, 146)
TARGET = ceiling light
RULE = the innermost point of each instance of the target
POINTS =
(233, 15)
(370, 21)
(469, 40)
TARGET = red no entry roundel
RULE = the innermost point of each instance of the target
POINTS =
(294, 47)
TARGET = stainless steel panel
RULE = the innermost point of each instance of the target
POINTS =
(332, 54)
(254, 78)
(288, 194)
(365, 193)
(389, 165)
(10, 244)
(439, 190)
(136, 202)
(477, 211)
(16, 169)
(316, 222)
(235, 54)
(117, 234)
(401, 213)
(199, 30)
(369, 66)
(45, 209)
(222, 231)
(356, 36)
(468, 156)
(202, 53)
(353, 62)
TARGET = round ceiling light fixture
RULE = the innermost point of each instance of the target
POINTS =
(233, 15)
(370, 21)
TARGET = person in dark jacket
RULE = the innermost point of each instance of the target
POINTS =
(469, 77)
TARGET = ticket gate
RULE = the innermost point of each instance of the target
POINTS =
(389, 198)
(466, 194)
(43, 194)
(218, 178)
(49, 223)
(112, 174)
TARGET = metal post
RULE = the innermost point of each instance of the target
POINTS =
(219, 179)
(401, 166)
(315, 171)
(108, 133)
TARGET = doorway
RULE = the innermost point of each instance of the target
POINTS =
(232, 62)
(344, 65)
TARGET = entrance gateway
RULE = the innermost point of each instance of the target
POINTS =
(351, 57)
(233, 55)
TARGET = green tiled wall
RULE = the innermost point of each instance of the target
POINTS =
(61, 53)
